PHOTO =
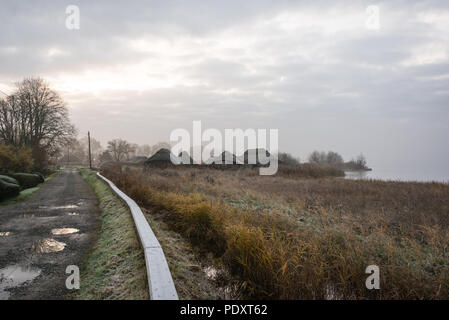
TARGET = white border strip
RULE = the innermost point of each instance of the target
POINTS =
(160, 281)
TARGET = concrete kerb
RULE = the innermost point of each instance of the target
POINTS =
(160, 281)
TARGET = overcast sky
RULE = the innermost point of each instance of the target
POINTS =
(139, 69)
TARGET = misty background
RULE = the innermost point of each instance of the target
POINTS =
(139, 69)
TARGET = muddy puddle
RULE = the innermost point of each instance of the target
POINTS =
(62, 231)
(37, 214)
(14, 276)
(48, 245)
(69, 206)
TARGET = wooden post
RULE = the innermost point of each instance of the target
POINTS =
(90, 157)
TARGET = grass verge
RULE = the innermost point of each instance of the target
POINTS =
(115, 267)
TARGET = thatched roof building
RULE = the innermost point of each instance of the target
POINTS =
(162, 156)
(221, 159)
(252, 156)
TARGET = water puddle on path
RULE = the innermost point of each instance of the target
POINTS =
(15, 275)
(48, 245)
(60, 231)
(69, 206)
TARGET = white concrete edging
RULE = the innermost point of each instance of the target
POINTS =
(160, 281)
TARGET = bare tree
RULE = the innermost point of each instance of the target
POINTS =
(318, 157)
(119, 149)
(115, 149)
(73, 151)
(105, 156)
(361, 161)
(331, 158)
(35, 116)
(287, 158)
(131, 150)
(334, 159)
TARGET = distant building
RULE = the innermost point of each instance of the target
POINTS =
(161, 158)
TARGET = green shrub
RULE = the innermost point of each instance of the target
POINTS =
(8, 189)
(26, 180)
(9, 180)
(13, 159)
(41, 176)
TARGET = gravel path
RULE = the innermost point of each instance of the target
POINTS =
(41, 236)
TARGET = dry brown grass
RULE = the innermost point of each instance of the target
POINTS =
(285, 238)
(187, 270)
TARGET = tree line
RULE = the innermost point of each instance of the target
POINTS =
(327, 159)
(333, 159)
(76, 151)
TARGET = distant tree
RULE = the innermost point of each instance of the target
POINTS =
(131, 151)
(361, 161)
(287, 158)
(120, 149)
(74, 151)
(115, 148)
(333, 159)
(318, 157)
(314, 157)
(104, 156)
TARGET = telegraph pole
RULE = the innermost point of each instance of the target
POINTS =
(90, 157)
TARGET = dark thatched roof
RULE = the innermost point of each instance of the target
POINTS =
(221, 159)
(162, 155)
(255, 155)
